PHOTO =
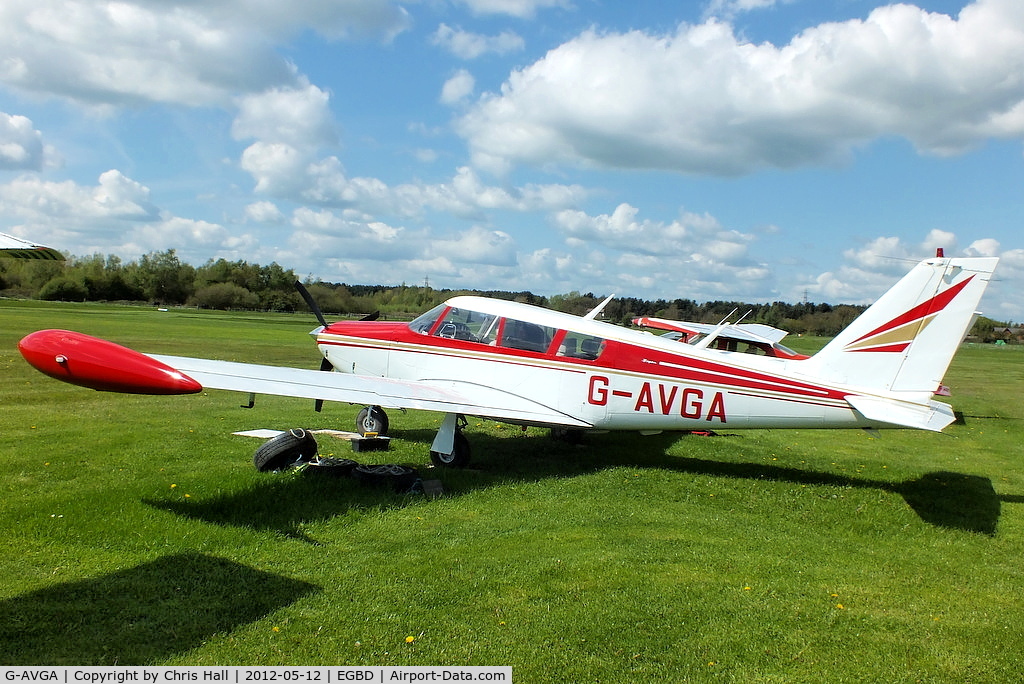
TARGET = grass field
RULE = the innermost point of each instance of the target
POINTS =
(136, 531)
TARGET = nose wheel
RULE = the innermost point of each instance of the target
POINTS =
(459, 458)
(450, 448)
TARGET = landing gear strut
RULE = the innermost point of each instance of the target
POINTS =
(451, 448)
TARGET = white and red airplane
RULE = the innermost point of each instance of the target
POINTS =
(527, 365)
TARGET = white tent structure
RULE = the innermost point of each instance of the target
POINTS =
(16, 248)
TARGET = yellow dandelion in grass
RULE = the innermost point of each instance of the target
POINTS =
(840, 606)
(410, 639)
(275, 629)
(173, 486)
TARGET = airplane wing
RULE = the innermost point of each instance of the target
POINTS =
(431, 395)
(745, 332)
(674, 326)
(102, 365)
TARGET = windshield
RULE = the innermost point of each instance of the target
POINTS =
(425, 321)
(464, 324)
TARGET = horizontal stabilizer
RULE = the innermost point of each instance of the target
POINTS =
(932, 416)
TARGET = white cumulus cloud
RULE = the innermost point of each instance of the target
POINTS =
(467, 45)
(21, 146)
(524, 9)
(702, 100)
(117, 52)
(297, 116)
(457, 88)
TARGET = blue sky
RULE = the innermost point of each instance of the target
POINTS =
(754, 150)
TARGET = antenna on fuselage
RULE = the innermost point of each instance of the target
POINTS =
(592, 314)
(722, 325)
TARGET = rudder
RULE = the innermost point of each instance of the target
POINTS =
(905, 341)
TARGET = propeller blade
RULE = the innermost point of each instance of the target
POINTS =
(311, 303)
(371, 317)
(325, 365)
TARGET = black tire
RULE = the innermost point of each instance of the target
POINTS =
(372, 419)
(287, 449)
(331, 467)
(459, 458)
(397, 477)
(567, 435)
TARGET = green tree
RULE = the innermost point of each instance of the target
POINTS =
(225, 296)
(64, 289)
(163, 278)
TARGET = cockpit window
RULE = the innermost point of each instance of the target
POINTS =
(471, 326)
(526, 336)
(455, 323)
(425, 321)
(579, 346)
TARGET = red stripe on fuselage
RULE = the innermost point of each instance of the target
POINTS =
(618, 357)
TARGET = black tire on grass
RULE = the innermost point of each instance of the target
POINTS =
(396, 477)
(289, 448)
(331, 467)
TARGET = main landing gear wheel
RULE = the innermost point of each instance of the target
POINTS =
(459, 458)
(567, 435)
(372, 419)
(288, 448)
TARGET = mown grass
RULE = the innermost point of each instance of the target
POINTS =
(137, 531)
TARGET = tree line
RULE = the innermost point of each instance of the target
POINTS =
(161, 278)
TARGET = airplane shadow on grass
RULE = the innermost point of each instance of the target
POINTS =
(287, 501)
(140, 615)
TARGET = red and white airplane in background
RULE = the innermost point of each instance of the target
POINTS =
(526, 365)
(756, 338)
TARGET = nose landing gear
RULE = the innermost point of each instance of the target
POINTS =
(451, 448)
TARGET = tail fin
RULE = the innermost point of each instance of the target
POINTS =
(906, 340)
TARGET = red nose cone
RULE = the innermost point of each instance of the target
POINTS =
(101, 365)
